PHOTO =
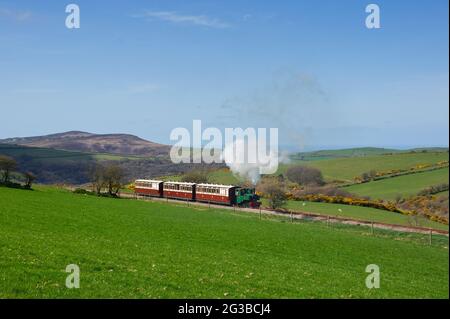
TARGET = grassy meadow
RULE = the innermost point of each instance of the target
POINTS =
(404, 186)
(346, 168)
(340, 153)
(56, 156)
(136, 249)
(342, 166)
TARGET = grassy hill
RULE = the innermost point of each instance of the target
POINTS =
(69, 157)
(358, 152)
(57, 166)
(60, 166)
(345, 169)
(405, 186)
(349, 152)
(135, 249)
(18, 151)
(342, 165)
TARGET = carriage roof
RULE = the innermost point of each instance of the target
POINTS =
(149, 180)
(180, 183)
(215, 185)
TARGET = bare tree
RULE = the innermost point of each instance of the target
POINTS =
(98, 179)
(113, 177)
(7, 165)
(29, 179)
(304, 175)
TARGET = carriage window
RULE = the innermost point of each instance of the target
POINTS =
(171, 186)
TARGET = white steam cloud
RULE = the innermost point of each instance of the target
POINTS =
(245, 161)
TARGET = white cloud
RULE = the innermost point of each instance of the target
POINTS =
(174, 17)
(15, 15)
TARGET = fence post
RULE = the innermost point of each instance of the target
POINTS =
(292, 217)
(431, 236)
(259, 212)
(372, 227)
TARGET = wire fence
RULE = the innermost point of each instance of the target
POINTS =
(424, 235)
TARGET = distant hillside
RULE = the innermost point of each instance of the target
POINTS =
(122, 144)
(62, 166)
(358, 152)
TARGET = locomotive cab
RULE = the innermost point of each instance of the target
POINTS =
(246, 197)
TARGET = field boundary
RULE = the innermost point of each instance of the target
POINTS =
(395, 175)
(298, 215)
(291, 214)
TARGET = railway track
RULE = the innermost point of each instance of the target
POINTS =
(293, 215)
(298, 215)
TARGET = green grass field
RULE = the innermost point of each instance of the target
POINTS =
(223, 176)
(361, 213)
(349, 152)
(135, 249)
(358, 152)
(405, 186)
(49, 154)
(346, 169)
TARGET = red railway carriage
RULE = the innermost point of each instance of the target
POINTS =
(148, 187)
(179, 190)
(213, 193)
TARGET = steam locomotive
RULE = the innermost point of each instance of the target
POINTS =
(209, 193)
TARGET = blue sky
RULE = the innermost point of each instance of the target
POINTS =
(310, 68)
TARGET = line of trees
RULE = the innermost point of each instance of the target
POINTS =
(8, 166)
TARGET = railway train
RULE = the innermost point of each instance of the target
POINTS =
(210, 193)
